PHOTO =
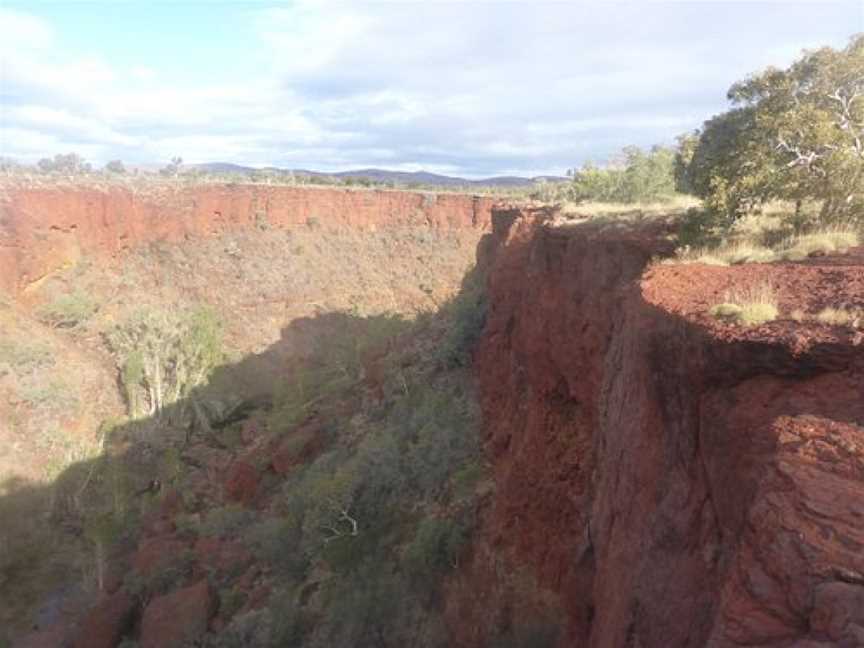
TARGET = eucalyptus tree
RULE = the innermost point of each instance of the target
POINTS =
(795, 134)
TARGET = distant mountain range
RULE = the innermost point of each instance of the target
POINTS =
(385, 176)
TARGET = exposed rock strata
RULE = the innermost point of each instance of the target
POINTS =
(659, 482)
(44, 230)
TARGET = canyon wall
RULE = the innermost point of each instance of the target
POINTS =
(660, 481)
(46, 229)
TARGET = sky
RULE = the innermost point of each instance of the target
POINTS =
(473, 89)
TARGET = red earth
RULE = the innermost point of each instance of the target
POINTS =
(664, 478)
(45, 229)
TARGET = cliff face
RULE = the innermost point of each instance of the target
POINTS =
(43, 230)
(262, 259)
(662, 480)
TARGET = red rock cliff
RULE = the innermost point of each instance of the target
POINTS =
(662, 481)
(42, 230)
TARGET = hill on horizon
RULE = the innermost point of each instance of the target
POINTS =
(384, 175)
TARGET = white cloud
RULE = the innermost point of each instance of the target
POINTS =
(23, 32)
(466, 88)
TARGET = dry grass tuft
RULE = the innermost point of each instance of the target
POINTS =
(841, 317)
(747, 247)
(749, 306)
(829, 240)
(676, 204)
(730, 254)
(798, 315)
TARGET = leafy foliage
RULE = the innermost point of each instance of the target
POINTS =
(70, 164)
(794, 134)
(335, 365)
(163, 355)
(225, 521)
(436, 546)
(68, 311)
(115, 166)
(684, 152)
(636, 176)
(466, 315)
(377, 510)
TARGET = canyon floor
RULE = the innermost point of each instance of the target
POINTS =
(438, 422)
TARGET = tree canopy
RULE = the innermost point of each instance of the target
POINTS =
(70, 163)
(794, 134)
(634, 176)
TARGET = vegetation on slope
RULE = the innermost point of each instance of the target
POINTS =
(372, 505)
(113, 360)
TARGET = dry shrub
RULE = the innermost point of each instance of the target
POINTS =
(749, 306)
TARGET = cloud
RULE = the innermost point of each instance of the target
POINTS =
(20, 31)
(469, 88)
(143, 73)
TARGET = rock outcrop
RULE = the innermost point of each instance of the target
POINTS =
(662, 480)
(175, 619)
(107, 622)
(44, 230)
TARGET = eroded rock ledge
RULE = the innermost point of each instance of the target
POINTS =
(46, 229)
(662, 480)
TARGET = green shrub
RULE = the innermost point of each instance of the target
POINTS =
(336, 365)
(162, 580)
(230, 602)
(253, 629)
(226, 521)
(163, 355)
(466, 317)
(372, 605)
(277, 540)
(68, 163)
(465, 480)
(24, 356)
(291, 625)
(636, 176)
(68, 311)
(436, 546)
(54, 394)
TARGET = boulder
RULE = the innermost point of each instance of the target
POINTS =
(223, 556)
(241, 484)
(107, 622)
(172, 620)
(158, 553)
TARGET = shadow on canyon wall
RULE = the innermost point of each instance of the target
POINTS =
(44, 521)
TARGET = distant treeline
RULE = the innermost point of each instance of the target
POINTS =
(72, 165)
(793, 135)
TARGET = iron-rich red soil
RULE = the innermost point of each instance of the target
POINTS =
(689, 291)
(45, 229)
(664, 478)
